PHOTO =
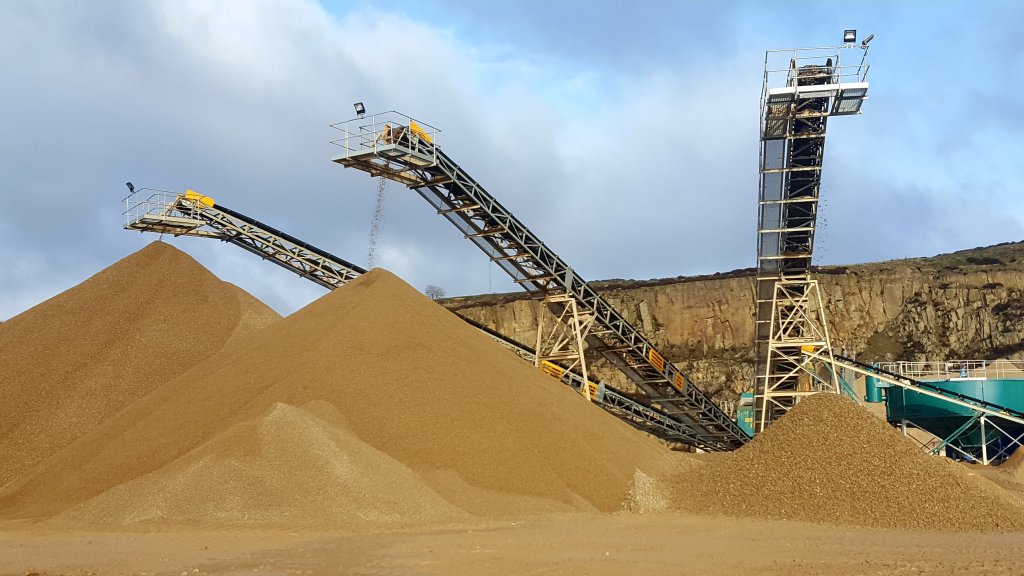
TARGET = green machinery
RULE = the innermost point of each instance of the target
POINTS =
(964, 432)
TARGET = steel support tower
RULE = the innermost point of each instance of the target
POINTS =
(397, 147)
(802, 88)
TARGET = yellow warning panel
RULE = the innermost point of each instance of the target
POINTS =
(807, 349)
(197, 197)
(415, 128)
(679, 382)
(551, 369)
(657, 360)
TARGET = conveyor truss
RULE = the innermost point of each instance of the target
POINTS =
(192, 214)
(802, 88)
(988, 421)
(395, 146)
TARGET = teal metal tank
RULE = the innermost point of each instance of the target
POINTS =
(872, 390)
(944, 418)
(745, 413)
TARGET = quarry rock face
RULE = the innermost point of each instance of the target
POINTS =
(967, 304)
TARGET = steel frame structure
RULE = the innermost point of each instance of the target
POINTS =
(797, 98)
(192, 214)
(398, 147)
(798, 347)
(987, 415)
(990, 433)
(565, 341)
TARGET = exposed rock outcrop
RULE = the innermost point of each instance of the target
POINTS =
(967, 304)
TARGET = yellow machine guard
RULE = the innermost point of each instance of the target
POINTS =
(415, 128)
(197, 197)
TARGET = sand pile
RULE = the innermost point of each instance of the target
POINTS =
(829, 460)
(480, 428)
(290, 466)
(80, 357)
(1014, 465)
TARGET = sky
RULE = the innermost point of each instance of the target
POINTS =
(625, 135)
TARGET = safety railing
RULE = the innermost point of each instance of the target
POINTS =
(815, 73)
(386, 130)
(146, 203)
(957, 369)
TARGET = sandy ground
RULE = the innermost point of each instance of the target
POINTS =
(568, 544)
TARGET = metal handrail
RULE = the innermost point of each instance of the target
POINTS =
(957, 369)
(361, 135)
(152, 202)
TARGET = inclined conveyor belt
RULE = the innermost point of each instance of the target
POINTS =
(244, 243)
(792, 150)
(930, 389)
(187, 214)
(402, 151)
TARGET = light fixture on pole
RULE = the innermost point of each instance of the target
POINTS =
(849, 36)
(868, 39)
(360, 109)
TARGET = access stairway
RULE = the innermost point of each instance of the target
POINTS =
(192, 214)
(394, 146)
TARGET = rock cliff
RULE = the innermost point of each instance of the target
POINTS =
(967, 304)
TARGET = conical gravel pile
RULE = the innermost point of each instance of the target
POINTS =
(830, 460)
(485, 432)
(75, 360)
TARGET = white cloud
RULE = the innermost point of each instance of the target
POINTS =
(625, 164)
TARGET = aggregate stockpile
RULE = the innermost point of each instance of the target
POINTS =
(829, 460)
(1014, 465)
(372, 404)
(77, 359)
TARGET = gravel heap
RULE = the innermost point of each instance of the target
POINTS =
(829, 460)
(431, 398)
(1014, 465)
(291, 466)
(80, 357)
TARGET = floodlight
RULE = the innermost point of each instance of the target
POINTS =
(131, 187)
(868, 39)
(849, 36)
(360, 109)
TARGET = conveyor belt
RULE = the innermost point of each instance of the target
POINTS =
(190, 214)
(932, 390)
(403, 151)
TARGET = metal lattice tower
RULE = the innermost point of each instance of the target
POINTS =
(397, 147)
(802, 88)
